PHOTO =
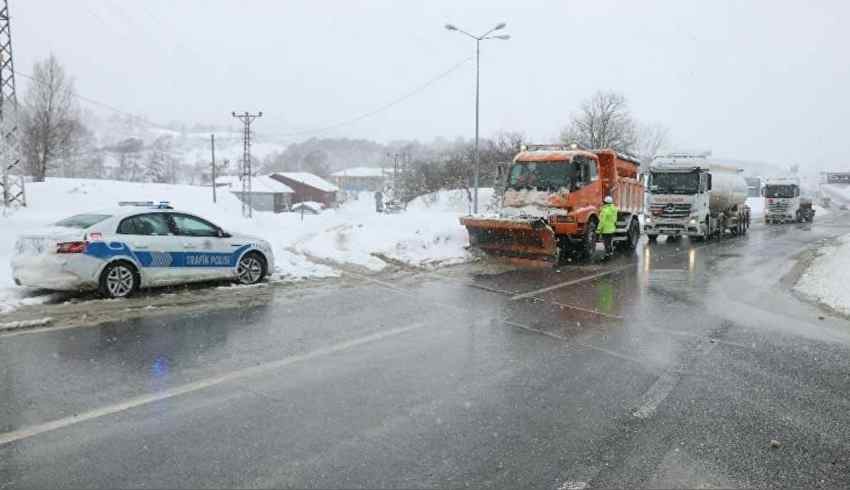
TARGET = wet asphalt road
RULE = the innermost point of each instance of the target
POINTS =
(673, 367)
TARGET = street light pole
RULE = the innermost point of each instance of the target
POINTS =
(478, 39)
(477, 104)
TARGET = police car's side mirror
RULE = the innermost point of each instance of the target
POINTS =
(223, 234)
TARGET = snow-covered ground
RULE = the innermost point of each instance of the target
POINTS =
(839, 193)
(756, 205)
(826, 278)
(427, 234)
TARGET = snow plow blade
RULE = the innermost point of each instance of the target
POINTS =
(528, 241)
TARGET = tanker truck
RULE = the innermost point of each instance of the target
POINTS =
(783, 203)
(689, 195)
(550, 207)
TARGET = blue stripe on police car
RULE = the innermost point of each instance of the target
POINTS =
(102, 250)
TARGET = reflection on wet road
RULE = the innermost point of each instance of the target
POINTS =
(674, 366)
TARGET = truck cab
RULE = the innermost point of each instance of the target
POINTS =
(689, 195)
(781, 200)
(678, 203)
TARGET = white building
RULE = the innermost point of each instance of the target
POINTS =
(267, 194)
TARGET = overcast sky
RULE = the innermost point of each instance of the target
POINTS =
(764, 80)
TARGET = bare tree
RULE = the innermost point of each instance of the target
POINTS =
(603, 121)
(49, 118)
(652, 137)
(130, 165)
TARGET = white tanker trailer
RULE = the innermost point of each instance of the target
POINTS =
(690, 195)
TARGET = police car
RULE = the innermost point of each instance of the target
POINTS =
(137, 245)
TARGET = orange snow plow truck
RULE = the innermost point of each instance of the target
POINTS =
(550, 206)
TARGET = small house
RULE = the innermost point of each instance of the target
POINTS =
(267, 194)
(308, 187)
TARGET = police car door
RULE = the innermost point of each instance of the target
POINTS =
(150, 238)
(206, 254)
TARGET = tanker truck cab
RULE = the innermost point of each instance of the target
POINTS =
(782, 200)
(691, 196)
(678, 198)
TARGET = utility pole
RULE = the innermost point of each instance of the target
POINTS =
(246, 118)
(12, 182)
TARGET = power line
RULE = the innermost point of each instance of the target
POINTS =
(384, 107)
(415, 91)
(98, 103)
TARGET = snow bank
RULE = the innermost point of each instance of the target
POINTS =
(428, 234)
(826, 278)
(452, 201)
(756, 205)
(839, 193)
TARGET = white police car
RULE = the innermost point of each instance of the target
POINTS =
(139, 244)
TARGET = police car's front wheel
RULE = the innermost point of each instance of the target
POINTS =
(252, 268)
(118, 280)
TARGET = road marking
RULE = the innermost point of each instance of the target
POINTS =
(586, 310)
(27, 432)
(656, 394)
(572, 282)
(535, 330)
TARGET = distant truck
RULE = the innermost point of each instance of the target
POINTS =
(691, 196)
(550, 206)
(782, 201)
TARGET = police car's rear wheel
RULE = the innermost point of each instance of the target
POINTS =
(118, 280)
(252, 269)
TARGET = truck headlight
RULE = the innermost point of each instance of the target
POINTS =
(648, 219)
(693, 221)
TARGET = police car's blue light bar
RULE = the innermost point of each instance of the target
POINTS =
(147, 204)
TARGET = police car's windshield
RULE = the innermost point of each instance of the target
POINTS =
(82, 220)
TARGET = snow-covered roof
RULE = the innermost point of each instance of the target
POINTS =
(361, 172)
(310, 180)
(259, 184)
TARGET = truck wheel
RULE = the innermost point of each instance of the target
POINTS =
(632, 236)
(706, 236)
(565, 250)
(587, 247)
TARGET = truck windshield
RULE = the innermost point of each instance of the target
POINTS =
(780, 191)
(674, 183)
(551, 176)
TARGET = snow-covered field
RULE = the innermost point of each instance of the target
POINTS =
(428, 233)
(839, 193)
(826, 278)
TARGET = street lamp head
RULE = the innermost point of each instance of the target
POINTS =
(500, 26)
(503, 37)
(450, 27)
